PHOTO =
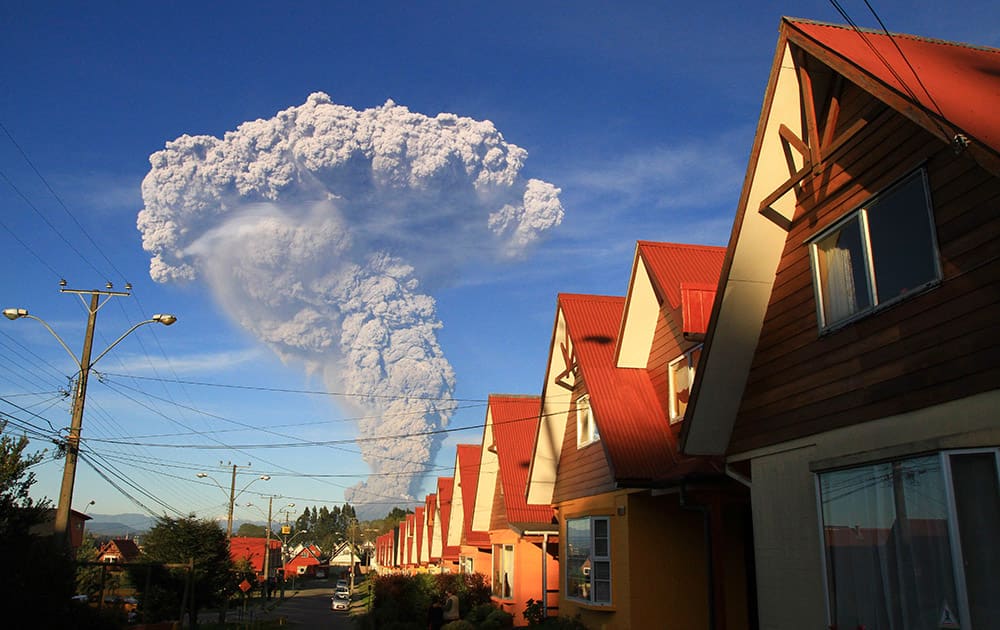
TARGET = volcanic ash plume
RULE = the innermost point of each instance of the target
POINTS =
(319, 230)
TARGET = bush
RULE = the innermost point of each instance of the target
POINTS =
(534, 613)
(563, 623)
(461, 624)
(497, 619)
(479, 614)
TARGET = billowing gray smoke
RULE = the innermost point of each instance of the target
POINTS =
(319, 230)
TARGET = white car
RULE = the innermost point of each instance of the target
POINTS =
(339, 602)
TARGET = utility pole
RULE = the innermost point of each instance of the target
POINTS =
(232, 499)
(267, 549)
(232, 492)
(61, 528)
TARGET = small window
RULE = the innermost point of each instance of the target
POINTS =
(465, 565)
(876, 255)
(588, 559)
(586, 427)
(503, 571)
(681, 377)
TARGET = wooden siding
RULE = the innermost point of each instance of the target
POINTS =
(498, 513)
(667, 346)
(933, 347)
(582, 471)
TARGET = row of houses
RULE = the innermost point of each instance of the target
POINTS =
(799, 430)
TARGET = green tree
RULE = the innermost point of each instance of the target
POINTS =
(39, 575)
(88, 578)
(176, 541)
(18, 511)
(252, 531)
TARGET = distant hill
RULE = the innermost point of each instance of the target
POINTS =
(134, 524)
(118, 524)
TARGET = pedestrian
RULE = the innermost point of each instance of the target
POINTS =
(435, 616)
(451, 612)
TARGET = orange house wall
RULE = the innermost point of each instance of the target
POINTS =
(482, 561)
(658, 564)
(527, 573)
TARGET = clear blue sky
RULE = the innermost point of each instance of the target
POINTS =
(641, 114)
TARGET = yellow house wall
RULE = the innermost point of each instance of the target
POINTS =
(787, 544)
(658, 564)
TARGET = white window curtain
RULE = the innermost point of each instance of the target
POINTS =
(889, 562)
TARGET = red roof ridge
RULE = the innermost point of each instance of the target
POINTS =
(513, 396)
(591, 297)
(680, 245)
(877, 31)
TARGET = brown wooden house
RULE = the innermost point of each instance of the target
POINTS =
(852, 362)
(118, 551)
(649, 538)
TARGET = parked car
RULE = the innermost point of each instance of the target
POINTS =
(340, 602)
(342, 582)
(342, 591)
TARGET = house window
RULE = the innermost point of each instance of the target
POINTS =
(681, 377)
(465, 565)
(588, 559)
(503, 571)
(586, 427)
(877, 254)
(911, 543)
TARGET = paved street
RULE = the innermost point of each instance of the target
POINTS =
(310, 608)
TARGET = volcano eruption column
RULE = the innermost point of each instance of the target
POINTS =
(322, 230)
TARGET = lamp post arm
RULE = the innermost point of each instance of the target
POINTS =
(58, 338)
(119, 340)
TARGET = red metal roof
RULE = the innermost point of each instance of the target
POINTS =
(515, 424)
(963, 81)
(418, 531)
(431, 503)
(445, 488)
(673, 264)
(410, 549)
(252, 548)
(634, 432)
(468, 456)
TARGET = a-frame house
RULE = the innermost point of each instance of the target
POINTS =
(851, 366)
(523, 536)
(649, 537)
(474, 545)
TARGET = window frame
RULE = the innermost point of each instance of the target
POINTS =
(676, 415)
(500, 552)
(860, 213)
(954, 541)
(466, 564)
(594, 434)
(594, 559)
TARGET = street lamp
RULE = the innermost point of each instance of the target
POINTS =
(233, 495)
(84, 363)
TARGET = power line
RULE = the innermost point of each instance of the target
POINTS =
(65, 240)
(60, 201)
(312, 392)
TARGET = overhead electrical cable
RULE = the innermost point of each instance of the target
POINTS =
(61, 204)
(313, 392)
